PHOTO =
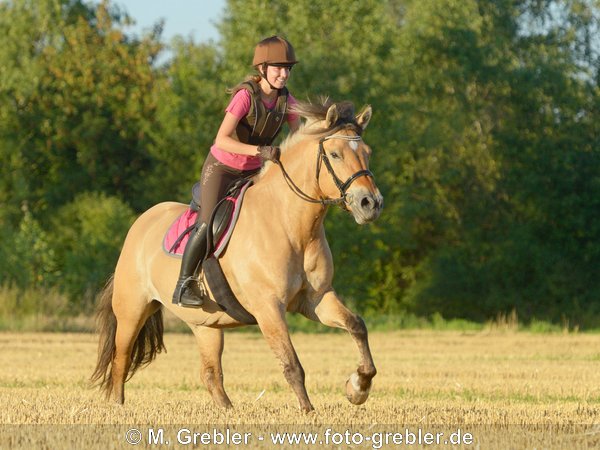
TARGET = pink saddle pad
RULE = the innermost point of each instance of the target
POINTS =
(182, 224)
(178, 233)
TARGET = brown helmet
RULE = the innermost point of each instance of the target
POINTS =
(273, 51)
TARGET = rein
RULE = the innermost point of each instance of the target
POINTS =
(323, 159)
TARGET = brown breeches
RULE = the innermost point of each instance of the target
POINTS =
(216, 178)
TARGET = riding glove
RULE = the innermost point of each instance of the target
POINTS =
(269, 153)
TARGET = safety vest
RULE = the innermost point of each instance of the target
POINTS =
(261, 125)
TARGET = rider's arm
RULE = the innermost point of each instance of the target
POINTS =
(226, 141)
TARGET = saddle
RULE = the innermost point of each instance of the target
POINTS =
(220, 228)
(224, 216)
(221, 223)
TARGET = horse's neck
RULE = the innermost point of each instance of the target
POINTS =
(303, 219)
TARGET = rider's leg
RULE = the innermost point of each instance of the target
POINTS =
(214, 181)
(187, 292)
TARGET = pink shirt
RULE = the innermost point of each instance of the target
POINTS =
(239, 106)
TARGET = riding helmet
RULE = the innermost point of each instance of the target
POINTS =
(274, 51)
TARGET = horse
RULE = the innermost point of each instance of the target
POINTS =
(277, 261)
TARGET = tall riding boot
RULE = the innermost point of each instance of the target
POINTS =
(187, 292)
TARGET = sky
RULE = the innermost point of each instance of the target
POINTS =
(195, 18)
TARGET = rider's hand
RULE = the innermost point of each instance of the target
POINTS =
(269, 152)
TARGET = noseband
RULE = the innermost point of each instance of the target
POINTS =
(323, 159)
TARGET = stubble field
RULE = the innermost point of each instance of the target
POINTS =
(507, 389)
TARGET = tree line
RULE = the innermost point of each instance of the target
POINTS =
(485, 143)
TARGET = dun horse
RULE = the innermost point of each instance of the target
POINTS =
(277, 260)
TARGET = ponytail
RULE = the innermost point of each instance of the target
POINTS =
(255, 77)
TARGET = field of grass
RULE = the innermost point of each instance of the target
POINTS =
(509, 389)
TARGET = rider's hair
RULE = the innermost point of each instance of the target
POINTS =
(254, 77)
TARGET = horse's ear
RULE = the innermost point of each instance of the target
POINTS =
(364, 116)
(332, 116)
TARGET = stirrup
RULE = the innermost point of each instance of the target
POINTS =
(185, 295)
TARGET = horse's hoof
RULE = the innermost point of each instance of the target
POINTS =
(354, 394)
(118, 400)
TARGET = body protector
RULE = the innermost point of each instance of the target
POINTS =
(261, 126)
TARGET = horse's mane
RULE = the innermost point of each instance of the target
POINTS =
(315, 114)
(315, 125)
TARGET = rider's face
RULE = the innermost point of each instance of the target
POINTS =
(278, 75)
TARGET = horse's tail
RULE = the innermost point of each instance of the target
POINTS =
(107, 327)
(147, 345)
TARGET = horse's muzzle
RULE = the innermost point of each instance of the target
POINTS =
(365, 206)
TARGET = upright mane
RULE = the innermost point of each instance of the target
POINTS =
(316, 125)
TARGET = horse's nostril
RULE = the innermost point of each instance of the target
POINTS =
(366, 202)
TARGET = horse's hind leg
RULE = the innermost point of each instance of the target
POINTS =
(330, 311)
(210, 344)
(131, 311)
(124, 340)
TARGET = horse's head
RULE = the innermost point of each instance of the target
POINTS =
(343, 163)
(342, 159)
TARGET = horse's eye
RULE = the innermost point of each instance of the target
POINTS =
(335, 155)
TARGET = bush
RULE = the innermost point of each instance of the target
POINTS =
(26, 256)
(87, 236)
(39, 309)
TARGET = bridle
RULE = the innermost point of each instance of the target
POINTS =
(322, 158)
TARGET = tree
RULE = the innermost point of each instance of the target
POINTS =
(530, 245)
(191, 98)
(75, 103)
(484, 136)
(87, 236)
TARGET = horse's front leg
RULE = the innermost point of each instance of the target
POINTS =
(330, 311)
(275, 330)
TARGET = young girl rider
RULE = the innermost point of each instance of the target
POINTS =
(252, 120)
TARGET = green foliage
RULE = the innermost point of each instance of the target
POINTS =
(87, 236)
(26, 257)
(74, 103)
(525, 240)
(36, 309)
(191, 99)
(484, 137)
